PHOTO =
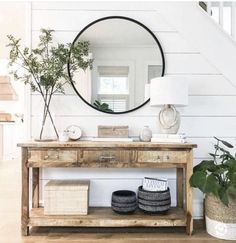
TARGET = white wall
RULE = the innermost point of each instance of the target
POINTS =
(13, 20)
(211, 110)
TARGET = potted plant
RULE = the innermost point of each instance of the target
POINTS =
(216, 178)
(44, 68)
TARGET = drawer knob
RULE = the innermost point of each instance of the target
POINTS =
(46, 157)
(158, 157)
(167, 157)
(106, 158)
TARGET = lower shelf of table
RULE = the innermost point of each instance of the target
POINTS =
(105, 217)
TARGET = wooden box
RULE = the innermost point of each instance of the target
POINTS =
(113, 131)
(66, 197)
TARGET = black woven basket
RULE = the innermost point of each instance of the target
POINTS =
(154, 202)
(124, 202)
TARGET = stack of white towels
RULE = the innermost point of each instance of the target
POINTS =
(169, 138)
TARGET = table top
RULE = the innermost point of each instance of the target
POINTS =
(93, 144)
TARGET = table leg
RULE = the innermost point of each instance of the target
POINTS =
(188, 200)
(25, 194)
(35, 188)
(179, 187)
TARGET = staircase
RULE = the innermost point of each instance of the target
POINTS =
(224, 14)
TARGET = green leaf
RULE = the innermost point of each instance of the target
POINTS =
(227, 144)
(223, 196)
(204, 166)
(212, 185)
(230, 165)
(47, 63)
(198, 180)
(213, 155)
(216, 138)
(232, 177)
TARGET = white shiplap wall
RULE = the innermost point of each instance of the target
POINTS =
(211, 97)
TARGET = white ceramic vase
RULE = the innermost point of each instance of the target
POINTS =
(145, 134)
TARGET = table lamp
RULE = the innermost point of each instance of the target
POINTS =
(170, 92)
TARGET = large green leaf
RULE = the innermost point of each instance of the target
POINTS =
(217, 176)
(212, 185)
(204, 166)
(198, 180)
(231, 163)
(205, 183)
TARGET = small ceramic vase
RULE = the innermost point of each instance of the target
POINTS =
(146, 134)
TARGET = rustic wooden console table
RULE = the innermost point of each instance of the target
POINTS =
(86, 154)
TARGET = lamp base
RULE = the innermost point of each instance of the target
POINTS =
(169, 120)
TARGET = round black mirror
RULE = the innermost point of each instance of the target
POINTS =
(125, 56)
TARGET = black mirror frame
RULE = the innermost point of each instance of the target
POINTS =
(115, 17)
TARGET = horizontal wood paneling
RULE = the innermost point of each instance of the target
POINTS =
(67, 105)
(76, 20)
(178, 60)
(206, 146)
(210, 85)
(193, 126)
(199, 85)
(188, 63)
(94, 6)
(209, 126)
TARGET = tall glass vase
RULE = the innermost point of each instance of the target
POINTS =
(47, 131)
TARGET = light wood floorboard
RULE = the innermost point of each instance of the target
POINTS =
(10, 184)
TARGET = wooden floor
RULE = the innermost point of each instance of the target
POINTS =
(10, 184)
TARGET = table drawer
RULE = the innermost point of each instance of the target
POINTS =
(161, 156)
(104, 156)
(52, 155)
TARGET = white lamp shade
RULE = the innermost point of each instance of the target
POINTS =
(169, 90)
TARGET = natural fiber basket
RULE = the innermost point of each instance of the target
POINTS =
(220, 219)
(66, 197)
(216, 210)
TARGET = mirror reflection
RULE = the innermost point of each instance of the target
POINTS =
(125, 57)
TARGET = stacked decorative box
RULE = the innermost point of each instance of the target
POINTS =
(66, 197)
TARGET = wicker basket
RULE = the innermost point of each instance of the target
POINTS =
(66, 197)
(220, 219)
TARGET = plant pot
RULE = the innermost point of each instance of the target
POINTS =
(220, 219)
